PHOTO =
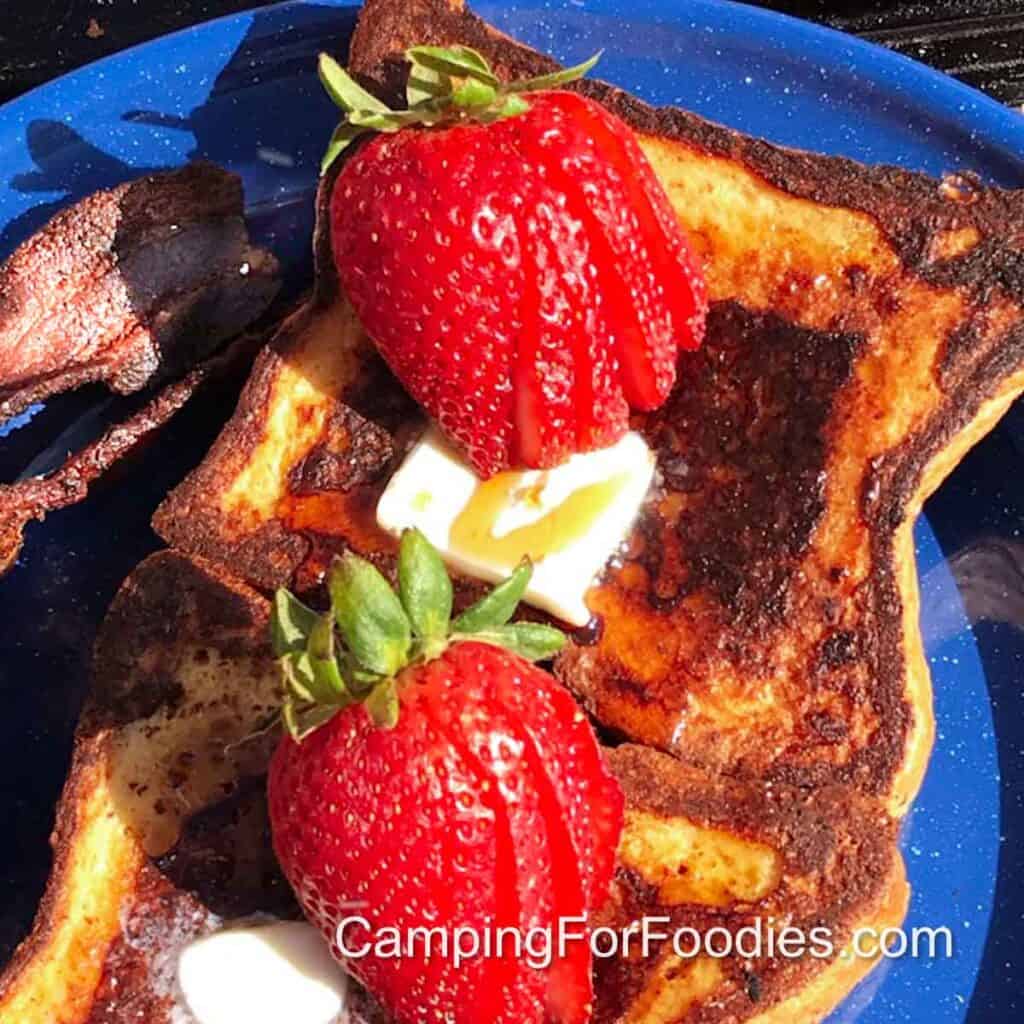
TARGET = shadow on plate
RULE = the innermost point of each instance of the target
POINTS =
(977, 516)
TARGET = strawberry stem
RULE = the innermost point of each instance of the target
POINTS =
(445, 84)
(353, 653)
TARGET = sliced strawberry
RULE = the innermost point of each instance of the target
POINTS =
(590, 801)
(532, 412)
(672, 262)
(524, 276)
(549, 879)
(444, 329)
(570, 990)
(589, 170)
(548, 388)
(513, 991)
(571, 398)
(481, 806)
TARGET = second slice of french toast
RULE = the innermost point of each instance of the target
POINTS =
(162, 836)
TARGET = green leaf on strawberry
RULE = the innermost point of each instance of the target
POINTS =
(383, 633)
(455, 61)
(496, 608)
(382, 704)
(472, 93)
(557, 78)
(513, 106)
(299, 682)
(530, 640)
(302, 722)
(346, 92)
(424, 587)
(323, 661)
(291, 623)
(425, 84)
(369, 615)
(446, 84)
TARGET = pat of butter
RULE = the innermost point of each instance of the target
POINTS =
(569, 520)
(262, 974)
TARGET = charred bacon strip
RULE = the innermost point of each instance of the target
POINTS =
(130, 285)
(35, 497)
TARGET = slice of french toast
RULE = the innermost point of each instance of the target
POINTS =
(762, 627)
(162, 832)
(866, 328)
(181, 676)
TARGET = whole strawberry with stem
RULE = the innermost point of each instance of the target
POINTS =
(513, 256)
(433, 777)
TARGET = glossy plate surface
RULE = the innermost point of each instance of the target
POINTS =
(242, 92)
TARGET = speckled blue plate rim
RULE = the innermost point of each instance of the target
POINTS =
(1002, 126)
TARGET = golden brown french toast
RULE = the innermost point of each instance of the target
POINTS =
(763, 622)
(760, 629)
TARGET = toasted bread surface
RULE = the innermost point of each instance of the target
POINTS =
(718, 855)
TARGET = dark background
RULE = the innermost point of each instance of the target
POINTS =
(978, 41)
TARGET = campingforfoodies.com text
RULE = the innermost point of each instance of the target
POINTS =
(539, 947)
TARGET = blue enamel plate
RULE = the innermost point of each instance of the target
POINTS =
(243, 92)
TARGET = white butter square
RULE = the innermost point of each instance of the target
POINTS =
(570, 519)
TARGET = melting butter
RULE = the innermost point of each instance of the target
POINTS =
(569, 520)
(262, 974)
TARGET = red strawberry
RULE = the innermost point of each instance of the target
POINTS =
(518, 265)
(434, 778)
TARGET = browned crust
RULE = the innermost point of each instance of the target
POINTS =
(802, 824)
(32, 985)
(222, 869)
(366, 427)
(838, 862)
(98, 858)
(138, 982)
(130, 284)
(167, 602)
(188, 517)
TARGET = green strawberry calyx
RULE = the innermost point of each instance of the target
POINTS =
(445, 84)
(354, 652)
